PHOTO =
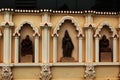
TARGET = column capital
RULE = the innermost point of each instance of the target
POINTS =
(89, 26)
(97, 36)
(7, 24)
(115, 36)
(46, 20)
(80, 36)
(55, 35)
(47, 26)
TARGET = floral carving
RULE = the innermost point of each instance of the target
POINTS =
(89, 72)
(6, 73)
(45, 73)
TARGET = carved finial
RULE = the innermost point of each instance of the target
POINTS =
(6, 73)
(45, 73)
(89, 72)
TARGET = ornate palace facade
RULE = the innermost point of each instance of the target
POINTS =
(31, 45)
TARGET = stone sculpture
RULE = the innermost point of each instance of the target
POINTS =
(67, 45)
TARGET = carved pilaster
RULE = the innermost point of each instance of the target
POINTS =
(89, 72)
(45, 73)
(6, 73)
(46, 26)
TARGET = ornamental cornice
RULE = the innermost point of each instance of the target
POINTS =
(58, 11)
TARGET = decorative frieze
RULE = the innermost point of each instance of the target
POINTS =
(6, 73)
(58, 11)
(45, 73)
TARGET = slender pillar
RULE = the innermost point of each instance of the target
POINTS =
(55, 48)
(97, 38)
(45, 44)
(36, 48)
(119, 45)
(89, 45)
(119, 36)
(115, 49)
(6, 58)
(80, 48)
(16, 49)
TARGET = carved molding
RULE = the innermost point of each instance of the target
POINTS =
(45, 73)
(36, 32)
(89, 72)
(97, 32)
(6, 73)
(57, 28)
(7, 24)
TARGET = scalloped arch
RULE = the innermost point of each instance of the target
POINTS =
(31, 25)
(97, 32)
(57, 28)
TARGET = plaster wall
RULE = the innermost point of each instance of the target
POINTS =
(65, 72)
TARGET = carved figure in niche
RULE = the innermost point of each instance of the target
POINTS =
(104, 44)
(26, 46)
(67, 45)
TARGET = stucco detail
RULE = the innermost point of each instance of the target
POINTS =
(97, 32)
(45, 73)
(57, 28)
(6, 73)
(36, 32)
(89, 72)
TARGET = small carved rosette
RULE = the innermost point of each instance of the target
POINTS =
(45, 73)
(89, 72)
(6, 73)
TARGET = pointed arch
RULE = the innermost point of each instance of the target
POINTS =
(55, 35)
(31, 25)
(17, 35)
(97, 32)
(114, 40)
(57, 28)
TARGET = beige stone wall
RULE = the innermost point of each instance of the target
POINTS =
(68, 73)
(61, 72)
(26, 73)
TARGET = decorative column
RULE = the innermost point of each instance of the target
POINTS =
(80, 46)
(97, 38)
(115, 48)
(89, 26)
(45, 25)
(36, 47)
(55, 36)
(119, 36)
(7, 25)
(16, 48)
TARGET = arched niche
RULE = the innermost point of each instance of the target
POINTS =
(24, 29)
(106, 29)
(70, 24)
(27, 56)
